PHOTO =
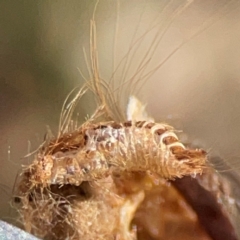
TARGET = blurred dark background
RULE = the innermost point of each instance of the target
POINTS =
(41, 52)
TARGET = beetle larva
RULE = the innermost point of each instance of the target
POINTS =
(94, 150)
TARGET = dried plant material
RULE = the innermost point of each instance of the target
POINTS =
(213, 212)
(164, 214)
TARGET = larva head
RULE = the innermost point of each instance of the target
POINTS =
(187, 161)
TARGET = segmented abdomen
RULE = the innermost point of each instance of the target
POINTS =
(95, 150)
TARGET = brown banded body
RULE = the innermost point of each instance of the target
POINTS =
(96, 150)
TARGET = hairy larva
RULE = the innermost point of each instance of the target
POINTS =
(112, 169)
(95, 150)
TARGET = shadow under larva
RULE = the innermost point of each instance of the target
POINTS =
(101, 180)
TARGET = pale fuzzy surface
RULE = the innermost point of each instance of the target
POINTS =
(9, 232)
(136, 111)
